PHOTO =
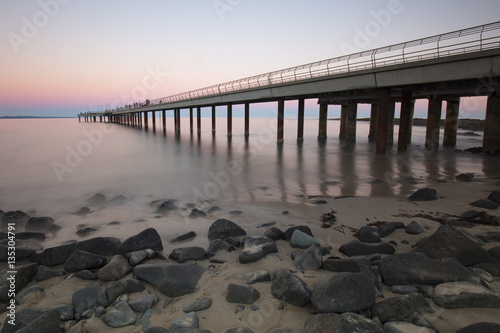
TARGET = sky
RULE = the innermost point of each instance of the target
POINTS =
(62, 57)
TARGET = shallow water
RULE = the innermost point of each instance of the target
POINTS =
(51, 166)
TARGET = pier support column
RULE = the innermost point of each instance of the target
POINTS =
(247, 119)
(405, 120)
(323, 118)
(176, 120)
(382, 119)
(213, 119)
(451, 123)
(163, 120)
(229, 120)
(198, 119)
(146, 124)
(343, 122)
(100, 119)
(352, 115)
(153, 119)
(433, 124)
(372, 134)
(300, 124)
(491, 139)
(95, 119)
(281, 117)
(390, 122)
(191, 126)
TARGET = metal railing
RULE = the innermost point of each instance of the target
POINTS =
(480, 38)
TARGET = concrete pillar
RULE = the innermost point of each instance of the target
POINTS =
(372, 134)
(213, 119)
(390, 122)
(191, 126)
(383, 110)
(281, 117)
(146, 119)
(451, 123)
(404, 120)
(100, 119)
(164, 120)
(352, 116)
(176, 122)
(229, 120)
(153, 119)
(323, 118)
(343, 122)
(300, 124)
(95, 119)
(491, 139)
(433, 124)
(247, 119)
(198, 119)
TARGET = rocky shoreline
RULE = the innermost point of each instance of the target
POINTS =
(243, 282)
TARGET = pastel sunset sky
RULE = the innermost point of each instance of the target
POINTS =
(60, 57)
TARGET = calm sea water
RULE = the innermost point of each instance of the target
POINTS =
(51, 166)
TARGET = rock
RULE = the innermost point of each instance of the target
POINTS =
(353, 265)
(214, 209)
(465, 177)
(147, 239)
(495, 253)
(492, 236)
(448, 242)
(88, 297)
(19, 298)
(424, 194)
(289, 288)
(24, 275)
(172, 280)
(184, 237)
(123, 286)
(274, 233)
(80, 260)
(414, 228)
(404, 289)
(465, 294)
(85, 231)
(258, 276)
(470, 214)
(303, 228)
(482, 274)
(256, 248)
(484, 203)
(403, 327)
(45, 273)
(357, 248)
(347, 322)
(417, 268)
(309, 259)
(54, 256)
(195, 213)
(185, 254)
(103, 246)
(24, 249)
(166, 207)
(368, 235)
(243, 294)
(473, 238)
(121, 315)
(495, 197)
(344, 292)
(39, 224)
(240, 330)
(283, 330)
(136, 257)
(400, 308)
(200, 305)
(86, 275)
(388, 228)
(482, 327)
(66, 312)
(97, 199)
(82, 211)
(233, 241)
(115, 269)
(222, 228)
(26, 236)
(18, 217)
(143, 304)
(118, 200)
(47, 322)
(491, 268)
(189, 320)
(325, 249)
(216, 245)
(145, 322)
(302, 240)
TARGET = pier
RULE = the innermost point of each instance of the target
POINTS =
(441, 68)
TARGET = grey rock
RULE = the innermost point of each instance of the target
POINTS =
(482, 327)
(103, 246)
(136, 257)
(289, 288)
(388, 228)
(24, 317)
(353, 265)
(123, 286)
(100, 311)
(404, 289)
(491, 268)
(344, 292)
(465, 177)
(243, 294)
(400, 308)
(424, 194)
(166, 207)
(86, 275)
(368, 235)
(80, 260)
(309, 259)
(24, 249)
(403, 327)
(217, 245)
(257, 276)
(172, 280)
(47, 322)
(256, 248)
(302, 240)
(39, 224)
(274, 233)
(240, 330)
(414, 228)
(118, 200)
(470, 214)
(185, 254)
(97, 199)
(18, 217)
(189, 320)
(24, 275)
(115, 269)
(482, 274)
(484, 203)
(473, 238)
(417, 268)
(145, 322)
(492, 236)
(144, 303)
(66, 312)
(495, 253)
(147, 239)
(122, 315)
(345, 323)
(184, 237)
(305, 229)
(45, 273)
(222, 228)
(200, 305)
(357, 248)
(54, 256)
(465, 294)
(495, 197)
(195, 213)
(283, 330)
(88, 297)
(233, 241)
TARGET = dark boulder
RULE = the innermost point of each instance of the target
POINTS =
(97, 199)
(24, 275)
(185, 254)
(424, 194)
(289, 288)
(302, 240)
(88, 297)
(274, 233)
(24, 249)
(400, 308)
(484, 203)
(492, 236)
(308, 259)
(414, 228)
(166, 207)
(352, 265)
(184, 237)
(80, 260)
(482, 327)
(222, 228)
(195, 213)
(18, 217)
(465, 294)
(368, 235)
(115, 269)
(123, 286)
(344, 323)
(47, 322)
(465, 177)
(388, 228)
(303, 228)
(54, 256)
(495, 197)
(242, 294)
(39, 224)
(357, 248)
(256, 248)
(44, 273)
(103, 246)
(147, 239)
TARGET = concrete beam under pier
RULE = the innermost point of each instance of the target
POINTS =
(491, 139)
